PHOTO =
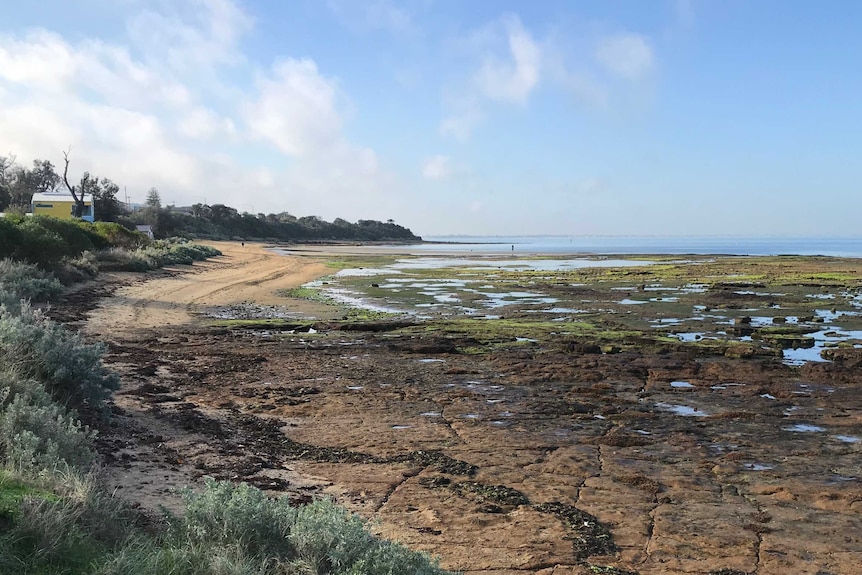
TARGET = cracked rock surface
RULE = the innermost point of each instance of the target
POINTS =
(541, 457)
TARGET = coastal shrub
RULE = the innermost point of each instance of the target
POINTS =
(86, 263)
(70, 369)
(320, 537)
(26, 281)
(36, 433)
(173, 252)
(224, 513)
(9, 236)
(38, 245)
(121, 260)
(73, 526)
(10, 301)
(70, 271)
(76, 238)
(146, 557)
(114, 235)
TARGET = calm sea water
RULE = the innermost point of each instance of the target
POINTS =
(841, 247)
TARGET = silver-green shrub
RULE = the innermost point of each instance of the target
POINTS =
(319, 538)
(120, 259)
(36, 433)
(224, 513)
(25, 281)
(36, 348)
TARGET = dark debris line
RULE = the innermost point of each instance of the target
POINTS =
(590, 536)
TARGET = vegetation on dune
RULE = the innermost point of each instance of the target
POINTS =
(224, 222)
(18, 184)
(77, 250)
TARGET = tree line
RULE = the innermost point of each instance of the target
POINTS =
(18, 183)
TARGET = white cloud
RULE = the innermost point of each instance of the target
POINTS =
(437, 168)
(301, 113)
(509, 73)
(157, 114)
(628, 56)
(512, 79)
(295, 109)
(189, 36)
(201, 123)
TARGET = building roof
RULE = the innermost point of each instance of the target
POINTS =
(58, 197)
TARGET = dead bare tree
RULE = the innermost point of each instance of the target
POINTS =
(78, 210)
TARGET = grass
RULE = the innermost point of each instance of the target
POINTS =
(13, 490)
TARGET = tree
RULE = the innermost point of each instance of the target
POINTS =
(201, 211)
(18, 184)
(7, 163)
(45, 178)
(106, 206)
(78, 209)
(154, 200)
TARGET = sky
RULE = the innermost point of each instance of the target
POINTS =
(610, 117)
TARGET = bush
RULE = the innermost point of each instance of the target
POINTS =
(9, 236)
(76, 238)
(86, 263)
(173, 252)
(121, 260)
(35, 432)
(224, 513)
(318, 538)
(70, 369)
(147, 557)
(71, 271)
(38, 245)
(26, 281)
(115, 235)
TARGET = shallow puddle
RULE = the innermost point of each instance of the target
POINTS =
(683, 410)
(847, 438)
(804, 428)
(757, 466)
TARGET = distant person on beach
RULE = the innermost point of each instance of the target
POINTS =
(513, 247)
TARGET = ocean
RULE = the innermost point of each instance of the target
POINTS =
(549, 245)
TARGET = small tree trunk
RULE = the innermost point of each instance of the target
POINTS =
(78, 210)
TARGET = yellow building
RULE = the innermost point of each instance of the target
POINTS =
(59, 205)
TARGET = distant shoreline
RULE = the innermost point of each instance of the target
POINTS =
(559, 246)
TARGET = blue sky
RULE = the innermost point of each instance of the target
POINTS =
(632, 117)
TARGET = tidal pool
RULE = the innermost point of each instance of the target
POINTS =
(804, 428)
(548, 265)
(683, 410)
(681, 384)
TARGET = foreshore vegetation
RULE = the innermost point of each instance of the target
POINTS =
(18, 183)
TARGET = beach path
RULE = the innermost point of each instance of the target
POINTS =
(244, 273)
